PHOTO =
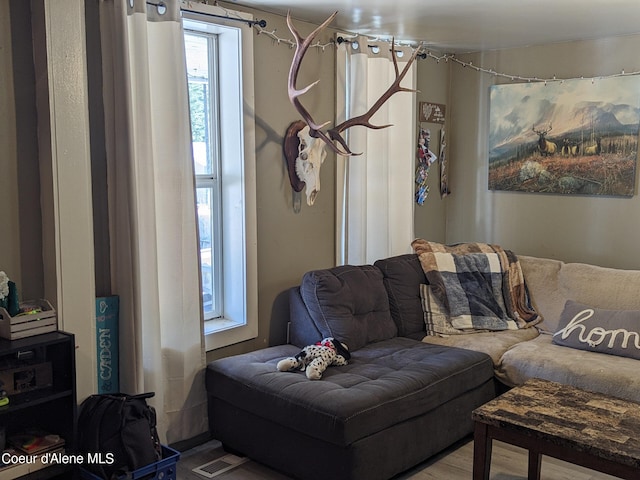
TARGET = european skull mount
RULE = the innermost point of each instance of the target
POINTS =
(304, 155)
(305, 140)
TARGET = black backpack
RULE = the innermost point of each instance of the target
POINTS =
(117, 434)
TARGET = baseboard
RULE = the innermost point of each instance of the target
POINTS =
(189, 443)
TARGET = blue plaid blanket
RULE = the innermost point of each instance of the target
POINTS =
(480, 285)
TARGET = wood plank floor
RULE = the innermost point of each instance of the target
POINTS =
(508, 463)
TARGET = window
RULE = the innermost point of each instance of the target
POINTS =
(222, 125)
(201, 49)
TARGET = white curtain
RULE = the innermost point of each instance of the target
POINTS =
(376, 189)
(153, 242)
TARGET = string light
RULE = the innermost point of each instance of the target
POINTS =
(287, 41)
(331, 43)
(522, 78)
(260, 30)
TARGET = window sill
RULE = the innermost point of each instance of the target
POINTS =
(216, 325)
(222, 332)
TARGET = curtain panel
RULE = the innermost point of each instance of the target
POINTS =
(376, 189)
(152, 215)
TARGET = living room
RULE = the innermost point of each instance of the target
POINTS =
(64, 266)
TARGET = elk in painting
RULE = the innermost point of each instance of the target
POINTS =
(545, 147)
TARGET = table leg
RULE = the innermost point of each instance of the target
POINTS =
(481, 452)
(535, 464)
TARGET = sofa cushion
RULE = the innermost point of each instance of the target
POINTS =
(600, 287)
(349, 303)
(493, 344)
(551, 283)
(542, 277)
(402, 276)
(384, 384)
(540, 358)
(616, 332)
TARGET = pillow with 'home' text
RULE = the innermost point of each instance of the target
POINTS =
(616, 332)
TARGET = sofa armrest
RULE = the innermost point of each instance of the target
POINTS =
(302, 330)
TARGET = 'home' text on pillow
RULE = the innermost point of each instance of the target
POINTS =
(616, 332)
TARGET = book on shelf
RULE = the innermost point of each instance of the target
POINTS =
(10, 471)
(35, 442)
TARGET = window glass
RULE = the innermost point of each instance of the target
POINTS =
(200, 49)
(219, 55)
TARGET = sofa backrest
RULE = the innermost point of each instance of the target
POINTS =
(402, 276)
(551, 283)
(363, 304)
(541, 276)
(349, 303)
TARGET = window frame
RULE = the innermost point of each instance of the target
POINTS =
(237, 179)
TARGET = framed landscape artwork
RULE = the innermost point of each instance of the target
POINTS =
(565, 137)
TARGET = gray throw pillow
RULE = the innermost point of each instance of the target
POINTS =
(616, 332)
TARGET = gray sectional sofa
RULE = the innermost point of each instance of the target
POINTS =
(403, 396)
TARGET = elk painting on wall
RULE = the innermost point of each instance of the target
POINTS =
(565, 137)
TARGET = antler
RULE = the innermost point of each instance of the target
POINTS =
(335, 133)
(365, 118)
(541, 132)
(302, 45)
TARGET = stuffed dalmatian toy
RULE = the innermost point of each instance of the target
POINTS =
(314, 359)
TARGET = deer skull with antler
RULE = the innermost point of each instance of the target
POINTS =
(310, 136)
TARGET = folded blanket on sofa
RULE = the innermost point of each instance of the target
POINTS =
(481, 285)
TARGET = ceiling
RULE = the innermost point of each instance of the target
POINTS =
(451, 26)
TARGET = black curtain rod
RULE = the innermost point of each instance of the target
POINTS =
(251, 23)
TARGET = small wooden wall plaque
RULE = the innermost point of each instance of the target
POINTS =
(432, 112)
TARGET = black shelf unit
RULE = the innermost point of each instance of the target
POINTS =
(52, 408)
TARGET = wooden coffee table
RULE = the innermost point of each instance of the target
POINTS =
(589, 429)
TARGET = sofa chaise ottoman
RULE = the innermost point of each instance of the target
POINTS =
(397, 402)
